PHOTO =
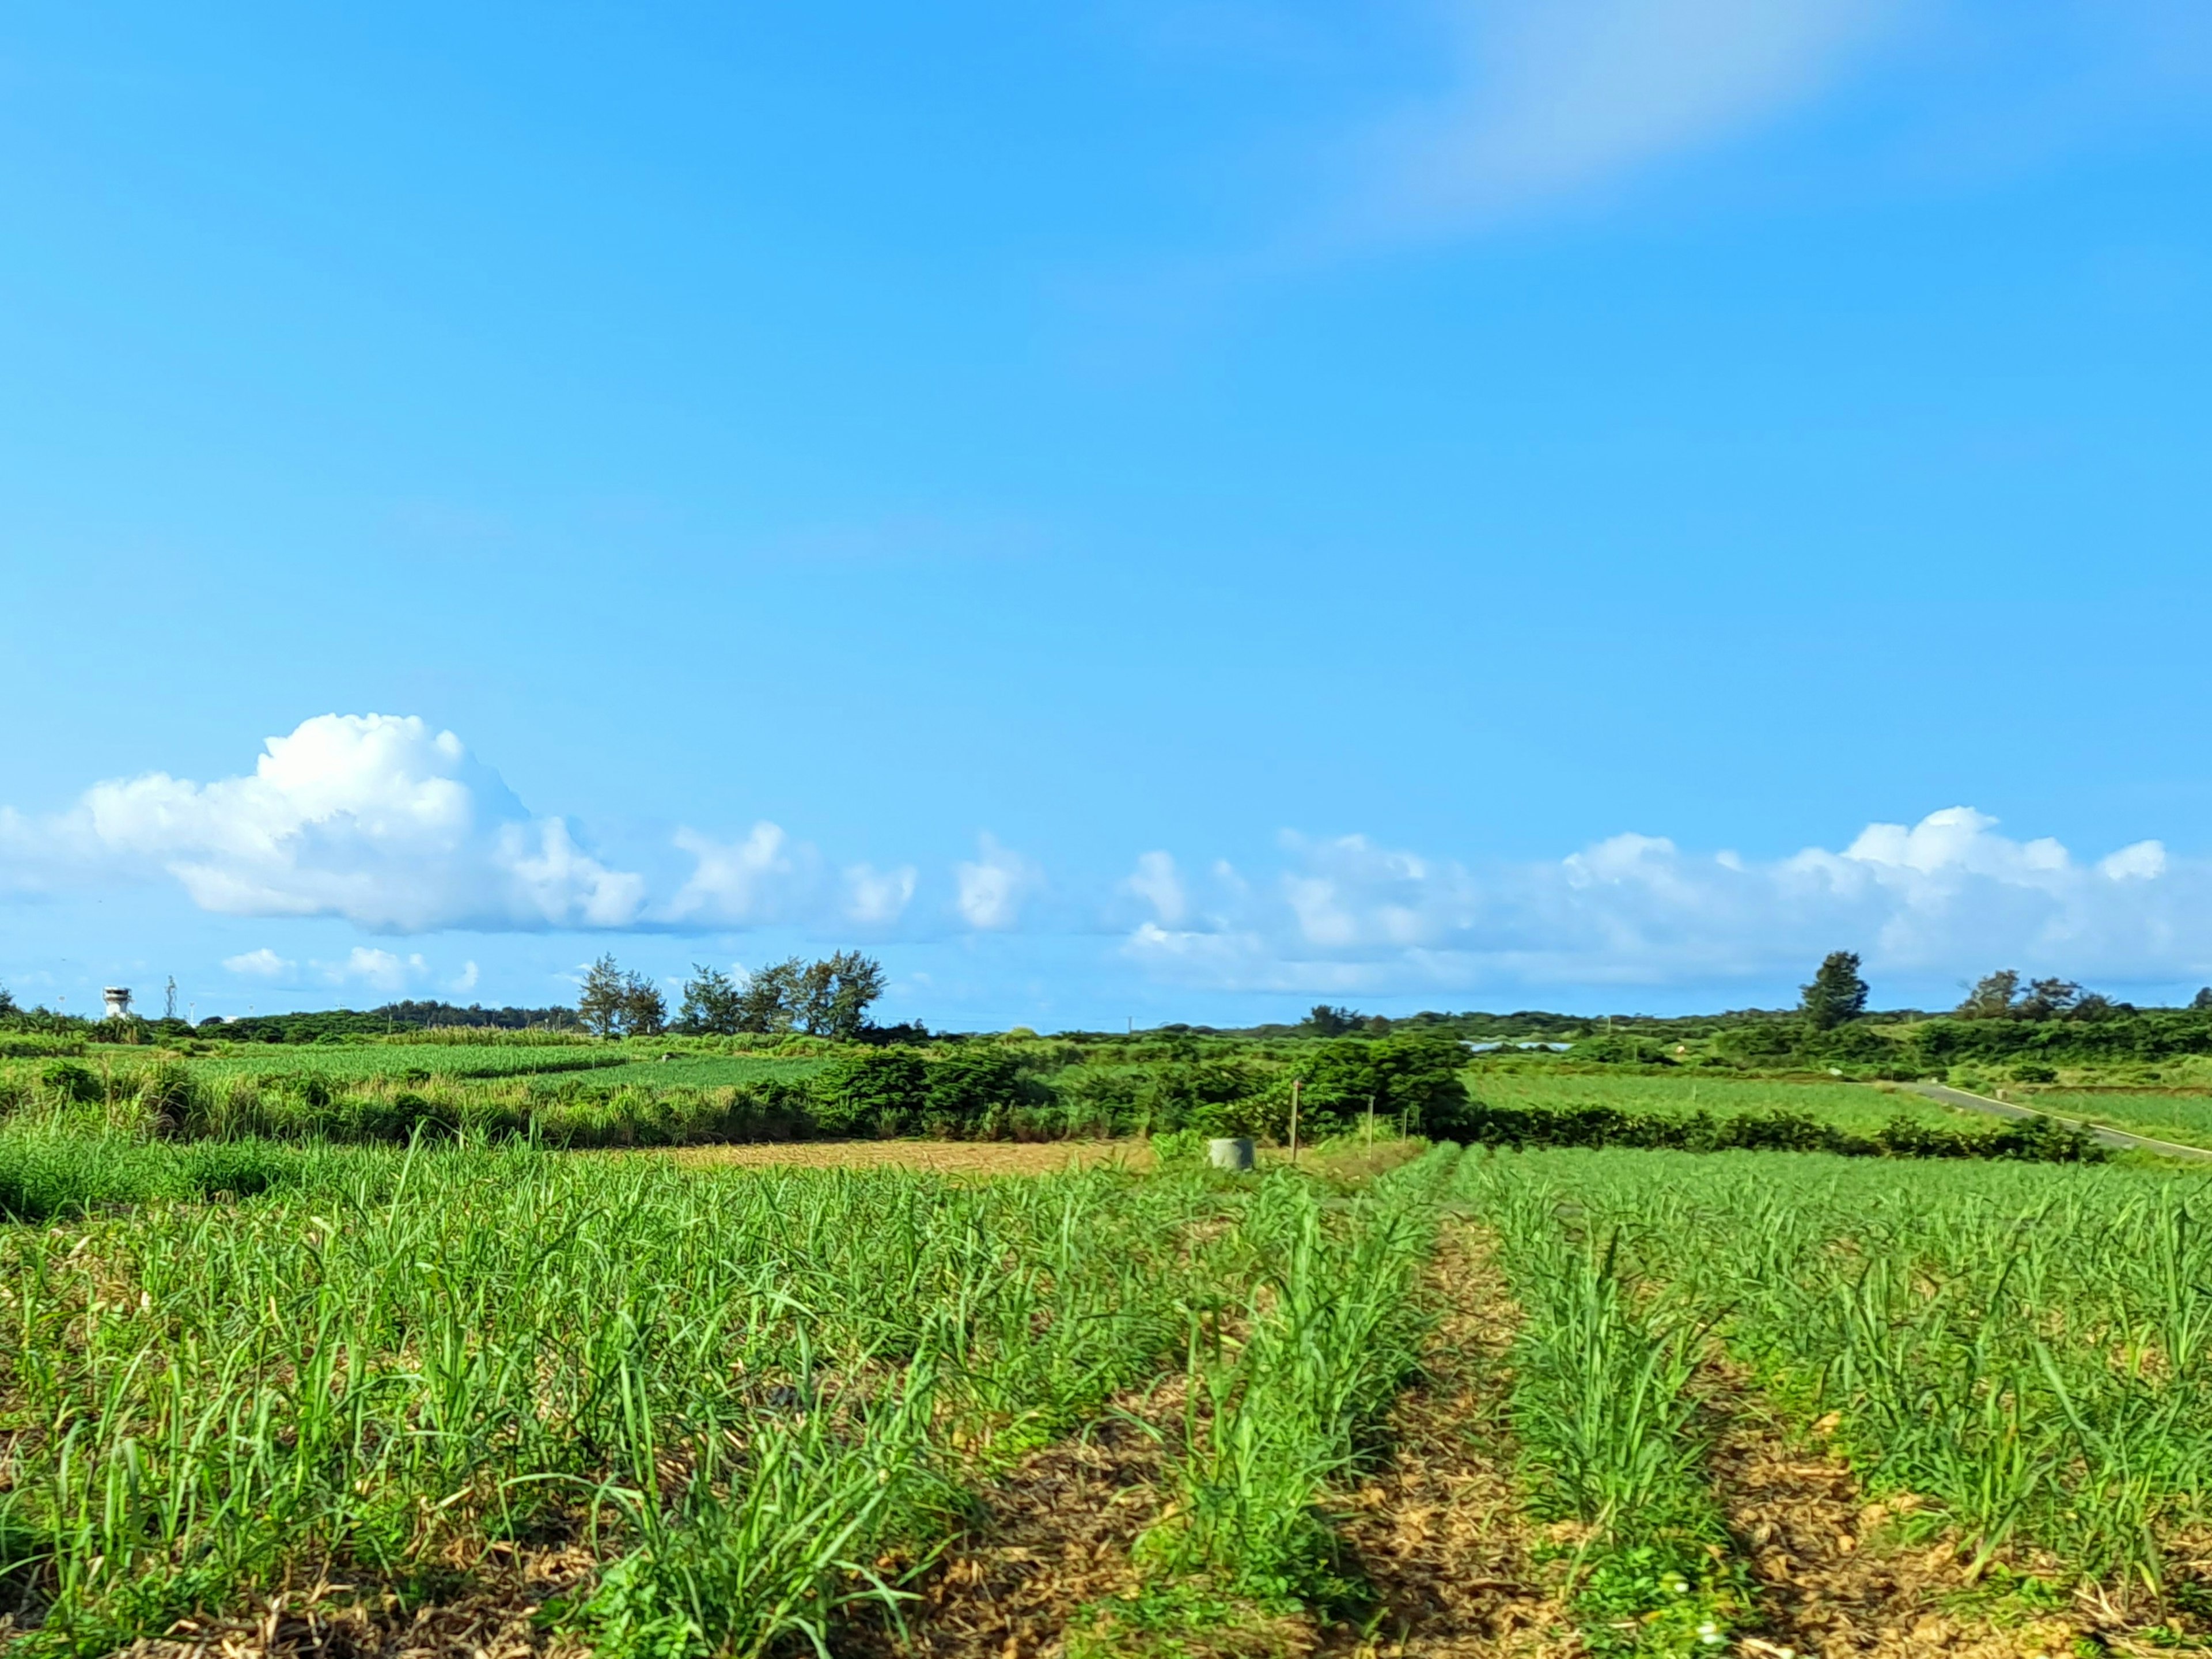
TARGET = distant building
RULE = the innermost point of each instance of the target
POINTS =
(118, 998)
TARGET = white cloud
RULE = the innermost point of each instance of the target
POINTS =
(465, 980)
(263, 964)
(381, 971)
(1546, 96)
(1157, 882)
(765, 877)
(991, 890)
(372, 818)
(1945, 897)
(877, 899)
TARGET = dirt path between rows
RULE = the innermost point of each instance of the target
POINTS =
(1049, 1538)
(1439, 1531)
(1829, 1583)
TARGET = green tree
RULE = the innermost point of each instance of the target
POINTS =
(1993, 996)
(1836, 994)
(851, 982)
(714, 1003)
(644, 1010)
(770, 1002)
(603, 999)
(1329, 1022)
(2049, 998)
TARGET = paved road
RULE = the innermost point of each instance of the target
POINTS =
(2119, 1138)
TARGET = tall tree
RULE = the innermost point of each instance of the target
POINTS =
(1836, 994)
(770, 1000)
(604, 998)
(1992, 997)
(714, 1003)
(644, 1010)
(855, 982)
(2049, 998)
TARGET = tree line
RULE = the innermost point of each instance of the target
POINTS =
(1838, 994)
(827, 998)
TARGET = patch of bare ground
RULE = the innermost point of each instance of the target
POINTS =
(1049, 1537)
(1439, 1531)
(494, 1619)
(958, 1158)
(1831, 1578)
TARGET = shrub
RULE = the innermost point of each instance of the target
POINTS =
(71, 1082)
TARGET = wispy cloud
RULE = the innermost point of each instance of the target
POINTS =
(263, 964)
(1541, 97)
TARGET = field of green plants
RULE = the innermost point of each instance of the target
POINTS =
(2166, 1113)
(289, 1393)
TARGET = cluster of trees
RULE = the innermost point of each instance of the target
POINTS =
(828, 997)
(1837, 995)
(2001, 995)
(1328, 1021)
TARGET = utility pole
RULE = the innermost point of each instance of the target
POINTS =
(1371, 1120)
(1294, 1119)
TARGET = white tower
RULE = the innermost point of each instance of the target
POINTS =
(118, 998)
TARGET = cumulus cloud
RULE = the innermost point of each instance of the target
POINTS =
(263, 964)
(376, 818)
(1947, 897)
(991, 890)
(761, 878)
(1547, 96)
(878, 898)
(383, 821)
(381, 971)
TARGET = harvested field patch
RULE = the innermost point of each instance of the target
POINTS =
(1438, 1533)
(937, 1156)
(1830, 1581)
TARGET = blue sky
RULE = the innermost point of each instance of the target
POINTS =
(1129, 510)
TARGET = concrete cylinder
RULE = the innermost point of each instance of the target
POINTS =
(1229, 1154)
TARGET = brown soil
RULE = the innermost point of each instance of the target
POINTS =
(1050, 1537)
(1832, 1582)
(940, 1156)
(494, 1621)
(1439, 1531)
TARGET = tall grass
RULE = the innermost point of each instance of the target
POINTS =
(1288, 1382)
(1602, 1402)
(748, 1387)
(2026, 1349)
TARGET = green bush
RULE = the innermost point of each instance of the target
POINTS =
(69, 1081)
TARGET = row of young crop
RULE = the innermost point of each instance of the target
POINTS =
(742, 1389)
(2020, 1357)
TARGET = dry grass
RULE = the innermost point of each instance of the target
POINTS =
(1439, 1531)
(957, 1157)
(1832, 1581)
(496, 1620)
(1050, 1537)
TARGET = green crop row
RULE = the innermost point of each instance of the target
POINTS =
(744, 1387)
